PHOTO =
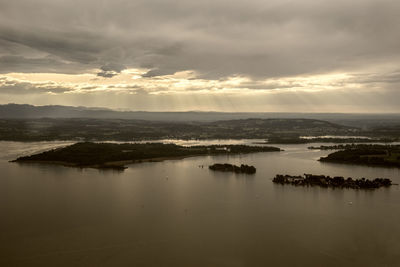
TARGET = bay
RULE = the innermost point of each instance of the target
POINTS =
(179, 213)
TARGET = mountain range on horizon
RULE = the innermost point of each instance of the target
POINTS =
(26, 111)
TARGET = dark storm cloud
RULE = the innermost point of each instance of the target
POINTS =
(110, 70)
(216, 38)
(45, 64)
(79, 46)
(158, 72)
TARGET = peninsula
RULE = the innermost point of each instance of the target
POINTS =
(116, 156)
(372, 155)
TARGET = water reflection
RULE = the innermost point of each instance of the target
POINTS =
(173, 213)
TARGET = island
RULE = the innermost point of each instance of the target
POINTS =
(372, 155)
(226, 167)
(116, 156)
(334, 182)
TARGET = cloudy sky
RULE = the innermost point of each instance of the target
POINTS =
(254, 55)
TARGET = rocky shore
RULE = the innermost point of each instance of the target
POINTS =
(233, 168)
(335, 182)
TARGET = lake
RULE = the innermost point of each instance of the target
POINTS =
(178, 213)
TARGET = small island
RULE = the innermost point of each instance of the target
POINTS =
(116, 156)
(226, 167)
(334, 182)
(372, 155)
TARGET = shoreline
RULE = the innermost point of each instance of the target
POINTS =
(119, 165)
(106, 165)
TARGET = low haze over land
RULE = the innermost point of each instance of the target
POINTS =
(263, 56)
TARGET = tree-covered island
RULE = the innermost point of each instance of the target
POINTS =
(116, 156)
(334, 182)
(226, 167)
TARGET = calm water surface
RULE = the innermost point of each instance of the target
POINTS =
(175, 213)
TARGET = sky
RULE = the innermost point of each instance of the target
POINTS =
(219, 55)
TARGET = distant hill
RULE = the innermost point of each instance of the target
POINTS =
(126, 130)
(18, 111)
